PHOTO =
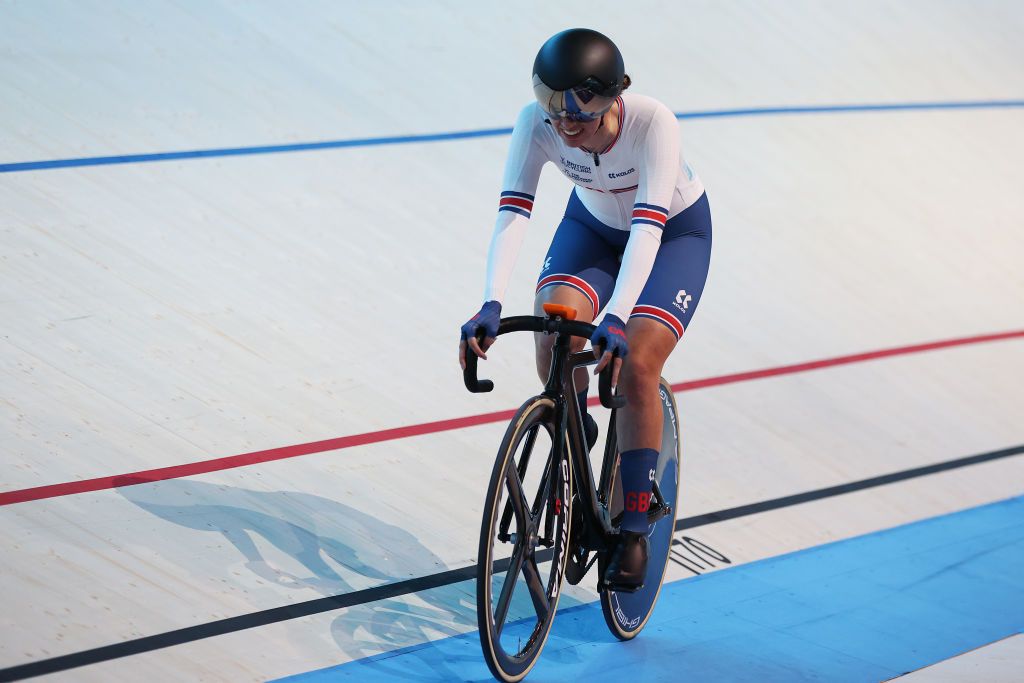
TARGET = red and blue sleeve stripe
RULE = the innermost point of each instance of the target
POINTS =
(517, 202)
(649, 214)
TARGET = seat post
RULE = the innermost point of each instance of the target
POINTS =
(559, 352)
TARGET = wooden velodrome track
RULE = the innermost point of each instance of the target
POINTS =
(238, 241)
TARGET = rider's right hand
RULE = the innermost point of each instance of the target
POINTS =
(487, 319)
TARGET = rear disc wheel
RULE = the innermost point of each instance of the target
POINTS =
(627, 613)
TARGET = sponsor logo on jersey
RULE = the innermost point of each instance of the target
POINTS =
(619, 175)
(572, 170)
(573, 166)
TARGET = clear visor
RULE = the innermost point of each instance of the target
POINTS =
(578, 104)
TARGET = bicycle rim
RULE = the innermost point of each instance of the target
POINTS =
(627, 613)
(523, 540)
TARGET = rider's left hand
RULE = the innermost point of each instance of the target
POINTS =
(609, 344)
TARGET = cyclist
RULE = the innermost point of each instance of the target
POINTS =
(635, 241)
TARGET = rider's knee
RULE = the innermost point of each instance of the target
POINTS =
(640, 372)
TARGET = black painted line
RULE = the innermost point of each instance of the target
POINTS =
(447, 578)
(796, 499)
(233, 624)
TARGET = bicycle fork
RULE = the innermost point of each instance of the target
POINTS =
(552, 510)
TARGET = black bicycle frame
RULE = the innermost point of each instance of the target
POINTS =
(597, 526)
(568, 418)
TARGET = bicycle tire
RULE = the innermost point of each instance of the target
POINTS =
(626, 614)
(511, 571)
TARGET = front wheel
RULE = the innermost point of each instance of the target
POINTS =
(627, 613)
(523, 540)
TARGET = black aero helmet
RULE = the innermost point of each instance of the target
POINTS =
(577, 74)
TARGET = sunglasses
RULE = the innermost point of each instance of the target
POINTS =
(577, 116)
(585, 92)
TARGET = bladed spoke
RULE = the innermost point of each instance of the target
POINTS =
(517, 497)
(536, 586)
(508, 587)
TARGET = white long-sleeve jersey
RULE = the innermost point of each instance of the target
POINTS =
(636, 185)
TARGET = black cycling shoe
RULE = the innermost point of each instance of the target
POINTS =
(628, 565)
(590, 430)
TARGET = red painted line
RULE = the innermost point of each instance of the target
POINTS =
(841, 360)
(230, 462)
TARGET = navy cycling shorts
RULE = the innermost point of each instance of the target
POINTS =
(585, 254)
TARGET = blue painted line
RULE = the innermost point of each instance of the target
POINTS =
(487, 132)
(864, 609)
(244, 151)
(852, 108)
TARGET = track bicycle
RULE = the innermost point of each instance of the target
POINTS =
(544, 518)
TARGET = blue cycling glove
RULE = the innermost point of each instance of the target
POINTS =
(610, 335)
(488, 319)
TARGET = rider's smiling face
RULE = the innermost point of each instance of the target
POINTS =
(576, 133)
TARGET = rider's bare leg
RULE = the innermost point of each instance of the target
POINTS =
(567, 296)
(639, 434)
(639, 423)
